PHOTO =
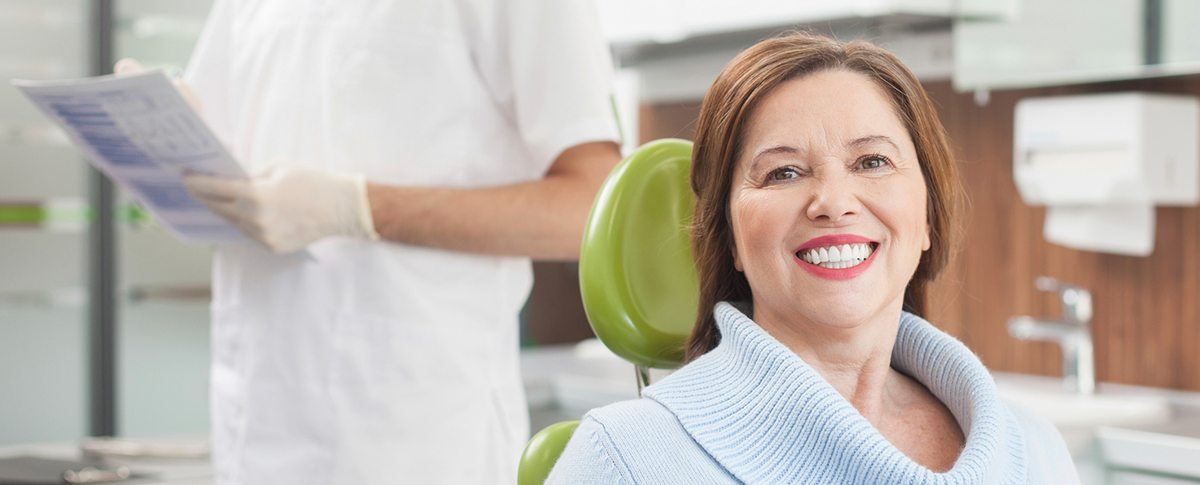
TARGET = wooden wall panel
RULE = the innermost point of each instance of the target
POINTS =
(1147, 310)
(554, 313)
(667, 120)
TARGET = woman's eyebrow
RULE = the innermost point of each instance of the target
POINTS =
(771, 151)
(871, 140)
(788, 149)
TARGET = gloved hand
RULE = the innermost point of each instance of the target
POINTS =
(288, 208)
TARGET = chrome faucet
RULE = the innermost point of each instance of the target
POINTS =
(1072, 332)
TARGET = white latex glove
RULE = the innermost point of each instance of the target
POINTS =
(288, 208)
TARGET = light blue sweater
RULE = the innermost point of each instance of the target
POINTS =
(751, 411)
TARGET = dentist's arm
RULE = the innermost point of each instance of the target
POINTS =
(542, 219)
(287, 209)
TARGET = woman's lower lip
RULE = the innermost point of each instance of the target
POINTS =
(837, 274)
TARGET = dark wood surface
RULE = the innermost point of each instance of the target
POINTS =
(554, 313)
(1145, 323)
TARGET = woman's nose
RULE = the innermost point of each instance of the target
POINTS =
(833, 201)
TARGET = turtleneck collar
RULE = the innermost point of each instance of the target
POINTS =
(767, 416)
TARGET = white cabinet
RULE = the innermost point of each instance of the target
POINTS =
(677, 47)
(1126, 477)
(632, 22)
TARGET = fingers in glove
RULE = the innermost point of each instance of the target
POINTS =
(217, 189)
(128, 66)
(240, 219)
(189, 95)
(230, 210)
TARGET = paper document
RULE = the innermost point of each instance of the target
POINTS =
(140, 132)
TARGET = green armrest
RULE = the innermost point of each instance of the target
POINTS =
(636, 273)
(542, 451)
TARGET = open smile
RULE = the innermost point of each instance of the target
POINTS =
(837, 256)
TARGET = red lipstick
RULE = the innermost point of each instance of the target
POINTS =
(831, 240)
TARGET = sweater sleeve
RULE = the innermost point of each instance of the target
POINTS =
(589, 458)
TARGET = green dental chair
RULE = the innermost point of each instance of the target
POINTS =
(636, 276)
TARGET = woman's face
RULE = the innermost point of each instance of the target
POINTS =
(827, 168)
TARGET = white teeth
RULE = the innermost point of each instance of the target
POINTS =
(839, 256)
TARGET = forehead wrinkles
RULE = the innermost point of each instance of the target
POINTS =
(818, 126)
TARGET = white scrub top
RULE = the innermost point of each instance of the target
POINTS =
(375, 362)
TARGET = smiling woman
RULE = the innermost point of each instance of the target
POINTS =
(825, 197)
(879, 94)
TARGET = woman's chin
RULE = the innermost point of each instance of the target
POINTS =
(842, 315)
(842, 310)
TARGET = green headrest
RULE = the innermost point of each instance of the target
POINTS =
(636, 273)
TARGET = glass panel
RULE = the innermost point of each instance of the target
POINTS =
(1050, 42)
(1180, 42)
(43, 191)
(163, 317)
(1077, 41)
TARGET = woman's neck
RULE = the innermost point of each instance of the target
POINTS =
(854, 359)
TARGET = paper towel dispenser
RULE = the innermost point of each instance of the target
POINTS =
(1107, 149)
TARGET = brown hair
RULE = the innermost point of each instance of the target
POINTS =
(726, 108)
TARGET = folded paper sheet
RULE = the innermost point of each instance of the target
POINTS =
(140, 132)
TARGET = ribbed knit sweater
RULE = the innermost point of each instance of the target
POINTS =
(752, 411)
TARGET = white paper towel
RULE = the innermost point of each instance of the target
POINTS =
(1119, 229)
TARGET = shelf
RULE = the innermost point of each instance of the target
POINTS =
(63, 215)
(76, 297)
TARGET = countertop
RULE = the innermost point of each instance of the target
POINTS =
(564, 382)
(147, 471)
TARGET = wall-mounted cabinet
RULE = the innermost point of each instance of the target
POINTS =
(634, 23)
(675, 47)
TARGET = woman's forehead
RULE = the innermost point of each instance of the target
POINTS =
(832, 109)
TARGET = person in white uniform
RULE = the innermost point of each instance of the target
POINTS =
(414, 155)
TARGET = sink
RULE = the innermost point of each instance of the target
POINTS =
(1172, 448)
(1078, 416)
(1066, 409)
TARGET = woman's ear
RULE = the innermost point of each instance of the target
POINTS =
(737, 262)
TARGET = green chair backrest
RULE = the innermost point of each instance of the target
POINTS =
(636, 275)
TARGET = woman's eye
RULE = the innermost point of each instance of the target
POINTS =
(783, 174)
(873, 162)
